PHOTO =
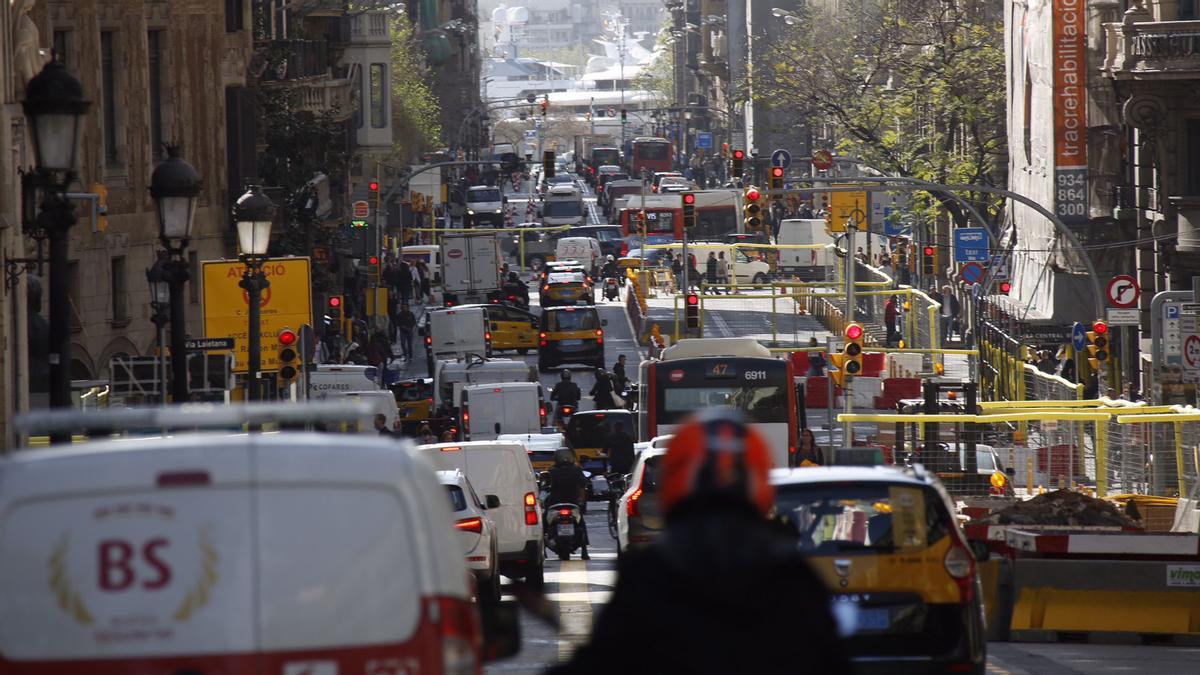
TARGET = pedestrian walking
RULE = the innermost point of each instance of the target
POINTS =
(404, 281)
(694, 277)
(949, 313)
(406, 324)
(816, 360)
(808, 451)
(622, 382)
(723, 272)
(677, 270)
(891, 316)
(710, 272)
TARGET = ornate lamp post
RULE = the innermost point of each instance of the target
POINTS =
(175, 185)
(253, 214)
(160, 299)
(54, 106)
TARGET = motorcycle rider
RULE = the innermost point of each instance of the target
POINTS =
(514, 286)
(568, 485)
(610, 270)
(761, 605)
(618, 446)
(566, 393)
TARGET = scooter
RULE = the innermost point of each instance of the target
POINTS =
(612, 289)
(563, 534)
(563, 415)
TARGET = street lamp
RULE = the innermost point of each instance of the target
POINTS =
(54, 106)
(175, 185)
(253, 214)
(160, 308)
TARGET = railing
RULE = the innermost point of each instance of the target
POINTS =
(330, 94)
(1151, 46)
(369, 27)
(289, 60)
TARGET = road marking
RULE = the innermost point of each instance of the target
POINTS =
(574, 609)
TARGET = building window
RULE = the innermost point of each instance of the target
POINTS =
(234, 15)
(1187, 11)
(154, 62)
(62, 47)
(1193, 157)
(117, 290)
(108, 75)
(378, 96)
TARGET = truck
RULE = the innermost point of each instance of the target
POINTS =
(593, 151)
(470, 268)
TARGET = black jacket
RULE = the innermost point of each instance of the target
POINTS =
(601, 394)
(568, 485)
(566, 393)
(620, 452)
(720, 592)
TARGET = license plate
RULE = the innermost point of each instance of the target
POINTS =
(873, 619)
(581, 302)
(571, 343)
(566, 530)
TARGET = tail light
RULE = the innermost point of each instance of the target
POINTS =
(599, 337)
(960, 565)
(564, 512)
(466, 420)
(531, 514)
(542, 413)
(488, 336)
(462, 640)
(512, 298)
(470, 525)
(542, 335)
(428, 340)
(631, 504)
(568, 410)
(546, 288)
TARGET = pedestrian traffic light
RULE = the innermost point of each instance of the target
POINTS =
(724, 149)
(373, 192)
(641, 221)
(776, 182)
(739, 156)
(547, 164)
(929, 260)
(1097, 346)
(691, 310)
(289, 356)
(689, 209)
(751, 209)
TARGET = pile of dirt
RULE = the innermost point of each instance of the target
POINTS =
(1061, 507)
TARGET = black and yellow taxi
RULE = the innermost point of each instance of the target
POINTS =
(567, 288)
(510, 327)
(903, 575)
(589, 430)
(570, 335)
(414, 400)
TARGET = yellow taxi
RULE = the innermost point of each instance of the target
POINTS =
(511, 327)
(560, 266)
(903, 575)
(414, 400)
(567, 288)
(570, 335)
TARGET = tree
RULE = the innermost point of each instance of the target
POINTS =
(416, 115)
(912, 87)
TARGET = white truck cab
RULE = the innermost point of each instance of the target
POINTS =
(485, 204)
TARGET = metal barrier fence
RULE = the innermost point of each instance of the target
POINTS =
(1154, 450)
(1040, 386)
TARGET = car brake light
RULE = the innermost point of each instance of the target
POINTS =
(631, 504)
(531, 514)
(458, 625)
(451, 448)
(542, 335)
(470, 525)
(546, 288)
(599, 332)
(543, 343)
(487, 336)
(960, 565)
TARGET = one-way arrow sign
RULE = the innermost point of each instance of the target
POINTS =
(208, 344)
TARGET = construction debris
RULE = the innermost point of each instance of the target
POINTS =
(1061, 507)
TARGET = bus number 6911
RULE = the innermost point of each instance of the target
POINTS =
(756, 374)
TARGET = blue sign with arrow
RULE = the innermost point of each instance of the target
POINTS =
(971, 245)
(1078, 337)
(782, 158)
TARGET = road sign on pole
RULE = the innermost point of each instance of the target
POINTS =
(822, 160)
(782, 158)
(1078, 337)
(970, 245)
(1123, 291)
(286, 303)
(844, 206)
(704, 140)
(971, 273)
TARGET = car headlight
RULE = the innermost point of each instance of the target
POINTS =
(499, 210)
(470, 212)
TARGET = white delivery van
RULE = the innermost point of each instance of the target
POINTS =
(489, 410)
(563, 205)
(471, 268)
(206, 553)
(381, 401)
(449, 377)
(455, 333)
(584, 249)
(485, 204)
(809, 264)
(329, 378)
(501, 468)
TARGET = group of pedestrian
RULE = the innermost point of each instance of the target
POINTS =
(716, 272)
(694, 276)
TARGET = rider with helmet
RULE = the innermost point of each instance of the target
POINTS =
(610, 270)
(568, 485)
(566, 393)
(725, 590)
(602, 391)
(513, 286)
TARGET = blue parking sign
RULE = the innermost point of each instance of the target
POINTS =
(971, 245)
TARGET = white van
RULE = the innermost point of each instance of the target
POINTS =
(455, 333)
(501, 468)
(230, 553)
(330, 378)
(809, 264)
(584, 249)
(449, 377)
(489, 410)
(485, 205)
(563, 205)
(382, 402)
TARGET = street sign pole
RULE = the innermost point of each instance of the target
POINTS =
(829, 388)
(848, 395)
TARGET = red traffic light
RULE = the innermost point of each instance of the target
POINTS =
(777, 172)
(287, 337)
(335, 302)
(739, 154)
(374, 260)
(1100, 327)
(373, 185)
(693, 299)
(689, 199)
(1006, 286)
(854, 332)
(752, 194)
(928, 250)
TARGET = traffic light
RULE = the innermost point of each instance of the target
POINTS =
(547, 164)
(776, 181)
(333, 307)
(689, 209)
(624, 116)
(1005, 287)
(849, 361)
(641, 221)
(751, 210)
(373, 269)
(739, 156)
(929, 260)
(289, 356)
(373, 192)
(1097, 345)
(691, 311)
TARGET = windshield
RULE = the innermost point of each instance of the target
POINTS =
(565, 209)
(569, 319)
(592, 430)
(492, 195)
(607, 156)
(763, 403)
(412, 391)
(653, 151)
(865, 517)
(660, 221)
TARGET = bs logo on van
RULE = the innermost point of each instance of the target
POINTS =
(286, 303)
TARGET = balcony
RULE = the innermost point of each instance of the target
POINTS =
(292, 60)
(1152, 50)
(369, 27)
(328, 94)
(302, 67)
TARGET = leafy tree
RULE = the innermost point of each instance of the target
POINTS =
(416, 115)
(912, 87)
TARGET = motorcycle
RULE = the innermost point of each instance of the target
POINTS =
(612, 288)
(562, 415)
(563, 534)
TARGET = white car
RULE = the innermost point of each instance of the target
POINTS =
(639, 516)
(476, 531)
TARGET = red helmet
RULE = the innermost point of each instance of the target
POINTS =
(716, 454)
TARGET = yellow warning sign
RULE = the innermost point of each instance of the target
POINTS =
(286, 303)
(844, 206)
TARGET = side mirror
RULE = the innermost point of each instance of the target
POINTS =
(501, 630)
(603, 322)
(491, 501)
(980, 550)
(504, 199)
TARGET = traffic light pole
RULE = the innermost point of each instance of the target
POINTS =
(848, 395)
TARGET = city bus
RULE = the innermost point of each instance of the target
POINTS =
(651, 154)
(736, 372)
(717, 215)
